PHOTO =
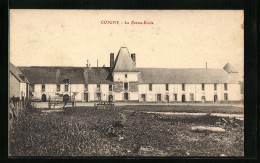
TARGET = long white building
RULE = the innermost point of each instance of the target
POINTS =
(123, 81)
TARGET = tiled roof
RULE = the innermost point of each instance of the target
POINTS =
(101, 75)
(124, 62)
(179, 76)
(53, 75)
(18, 74)
(98, 75)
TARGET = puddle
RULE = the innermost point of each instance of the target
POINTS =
(177, 113)
(237, 116)
(207, 128)
(51, 111)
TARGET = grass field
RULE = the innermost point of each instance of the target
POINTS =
(84, 132)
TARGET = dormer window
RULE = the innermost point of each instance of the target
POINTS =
(125, 75)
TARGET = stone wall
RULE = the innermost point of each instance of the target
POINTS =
(118, 87)
(133, 86)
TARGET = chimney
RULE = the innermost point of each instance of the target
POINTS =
(97, 63)
(133, 58)
(87, 63)
(111, 60)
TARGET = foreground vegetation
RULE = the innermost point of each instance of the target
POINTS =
(85, 132)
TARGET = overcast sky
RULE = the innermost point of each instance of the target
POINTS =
(176, 39)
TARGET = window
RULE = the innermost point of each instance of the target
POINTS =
(225, 86)
(110, 87)
(175, 97)
(125, 86)
(66, 88)
(58, 88)
(86, 87)
(32, 88)
(183, 87)
(191, 97)
(167, 87)
(125, 75)
(125, 96)
(225, 96)
(150, 87)
(159, 97)
(98, 87)
(43, 88)
(215, 87)
(203, 87)
(143, 97)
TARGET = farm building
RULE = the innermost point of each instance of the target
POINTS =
(123, 81)
(18, 83)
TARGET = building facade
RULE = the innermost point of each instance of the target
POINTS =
(123, 81)
(18, 83)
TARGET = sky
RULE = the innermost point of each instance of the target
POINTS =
(176, 39)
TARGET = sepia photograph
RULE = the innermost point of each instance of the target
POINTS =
(134, 83)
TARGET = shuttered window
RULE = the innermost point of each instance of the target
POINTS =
(175, 97)
(225, 96)
(191, 97)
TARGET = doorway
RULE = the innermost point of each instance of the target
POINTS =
(66, 98)
(86, 97)
(167, 98)
(43, 98)
(215, 98)
(110, 98)
(99, 96)
(183, 98)
(203, 99)
(125, 96)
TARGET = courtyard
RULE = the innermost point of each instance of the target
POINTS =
(86, 131)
